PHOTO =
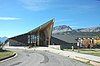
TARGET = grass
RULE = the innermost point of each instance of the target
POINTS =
(5, 53)
(86, 51)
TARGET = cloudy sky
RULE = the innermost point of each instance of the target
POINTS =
(20, 16)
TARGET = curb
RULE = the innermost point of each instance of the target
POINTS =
(82, 59)
(8, 57)
(94, 63)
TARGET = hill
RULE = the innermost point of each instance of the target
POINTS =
(2, 39)
(61, 28)
(64, 29)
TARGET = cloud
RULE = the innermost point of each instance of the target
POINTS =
(86, 7)
(73, 26)
(79, 8)
(35, 5)
(9, 18)
(63, 20)
(35, 8)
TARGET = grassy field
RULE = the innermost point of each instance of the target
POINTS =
(5, 53)
(94, 52)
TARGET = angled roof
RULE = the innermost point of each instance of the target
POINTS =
(38, 28)
(70, 38)
(42, 26)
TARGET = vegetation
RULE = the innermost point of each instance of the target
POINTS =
(5, 53)
(95, 52)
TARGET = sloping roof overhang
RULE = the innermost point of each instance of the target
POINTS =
(38, 28)
(42, 26)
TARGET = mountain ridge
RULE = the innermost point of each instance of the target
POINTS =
(2, 39)
(65, 28)
(90, 29)
(61, 28)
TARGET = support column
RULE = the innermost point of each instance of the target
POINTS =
(38, 38)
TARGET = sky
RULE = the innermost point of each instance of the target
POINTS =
(20, 16)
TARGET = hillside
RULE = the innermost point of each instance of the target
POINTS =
(2, 39)
(91, 29)
(64, 29)
(61, 28)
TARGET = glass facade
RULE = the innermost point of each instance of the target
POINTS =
(32, 39)
(29, 39)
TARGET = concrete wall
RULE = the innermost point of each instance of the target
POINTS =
(55, 46)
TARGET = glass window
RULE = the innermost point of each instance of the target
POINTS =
(28, 38)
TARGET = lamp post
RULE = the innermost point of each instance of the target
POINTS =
(78, 44)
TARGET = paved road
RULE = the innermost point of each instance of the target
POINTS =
(39, 58)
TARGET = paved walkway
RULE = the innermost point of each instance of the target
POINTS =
(64, 53)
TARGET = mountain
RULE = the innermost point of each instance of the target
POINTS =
(64, 29)
(2, 39)
(61, 28)
(91, 29)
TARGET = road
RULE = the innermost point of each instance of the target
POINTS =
(39, 58)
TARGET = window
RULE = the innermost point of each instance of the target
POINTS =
(29, 38)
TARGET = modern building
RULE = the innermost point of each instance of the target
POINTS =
(40, 36)
(67, 41)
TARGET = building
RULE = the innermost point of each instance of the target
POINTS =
(40, 36)
(67, 41)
